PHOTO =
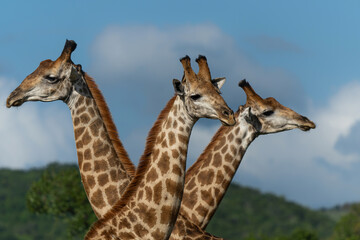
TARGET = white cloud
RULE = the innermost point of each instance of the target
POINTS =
(33, 136)
(144, 59)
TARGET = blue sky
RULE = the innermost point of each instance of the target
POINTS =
(303, 53)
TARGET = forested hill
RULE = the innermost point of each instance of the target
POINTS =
(245, 213)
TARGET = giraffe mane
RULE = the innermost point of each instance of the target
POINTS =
(143, 166)
(109, 125)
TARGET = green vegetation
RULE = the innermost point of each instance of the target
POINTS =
(51, 204)
(16, 222)
(60, 193)
(248, 214)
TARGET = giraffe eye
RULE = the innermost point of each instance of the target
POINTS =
(268, 113)
(195, 97)
(51, 78)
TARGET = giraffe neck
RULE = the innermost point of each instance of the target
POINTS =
(207, 180)
(103, 162)
(149, 207)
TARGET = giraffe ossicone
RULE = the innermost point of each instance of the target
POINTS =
(104, 164)
(149, 206)
(207, 180)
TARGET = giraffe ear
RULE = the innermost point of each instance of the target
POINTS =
(218, 82)
(178, 87)
(75, 74)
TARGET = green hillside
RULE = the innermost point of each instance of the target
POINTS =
(56, 192)
(16, 222)
(246, 212)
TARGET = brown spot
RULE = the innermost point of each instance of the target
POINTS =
(157, 234)
(171, 187)
(91, 112)
(237, 130)
(114, 222)
(172, 139)
(230, 137)
(219, 177)
(86, 167)
(103, 179)
(183, 139)
(90, 181)
(140, 194)
(233, 149)
(168, 123)
(88, 102)
(238, 141)
(97, 199)
(132, 217)
(166, 215)
(152, 175)
(220, 144)
(126, 235)
(148, 193)
(76, 121)
(191, 184)
(140, 231)
(103, 135)
(175, 153)
(95, 126)
(156, 153)
(87, 154)
(147, 214)
(190, 199)
(125, 223)
(206, 177)
(175, 111)
(78, 132)
(228, 157)
(164, 164)
(100, 166)
(80, 110)
(181, 120)
(113, 175)
(100, 149)
(164, 144)
(175, 124)
(217, 160)
(201, 210)
(112, 195)
(80, 158)
(86, 139)
(206, 197)
(224, 149)
(181, 129)
(177, 170)
(79, 144)
(157, 192)
(79, 102)
(228, 170)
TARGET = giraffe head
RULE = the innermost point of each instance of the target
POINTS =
(269, 116)
(52, 80)
(201, 94)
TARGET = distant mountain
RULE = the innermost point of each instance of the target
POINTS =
(244, 212)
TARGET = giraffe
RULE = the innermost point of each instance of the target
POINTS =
(149, 206)
(63, 80)
(104, 164)
(209, 177)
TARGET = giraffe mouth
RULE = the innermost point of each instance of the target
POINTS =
(17, 103)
